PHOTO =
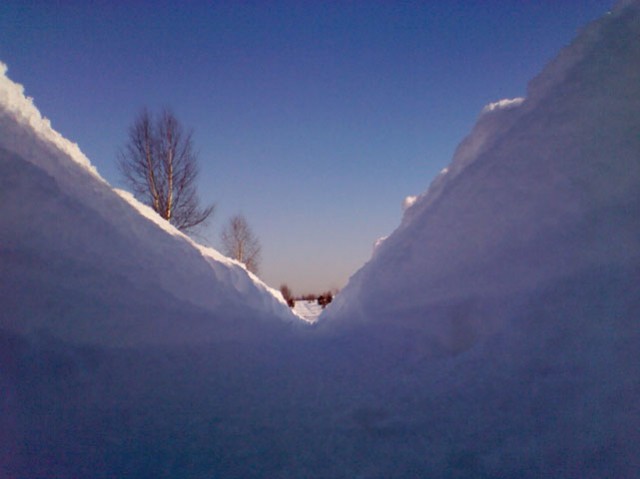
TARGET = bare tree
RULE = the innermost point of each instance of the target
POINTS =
(239, 242)
(287, 294)
(160, 166)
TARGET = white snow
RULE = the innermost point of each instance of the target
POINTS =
(377, 243)
(495, 333)
(307, 310)
(61, 220)
(408, 202)
(23, 111)
(243, 280)
(530, 194)
(510, 290)
(504, 104)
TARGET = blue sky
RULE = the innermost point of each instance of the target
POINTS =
(313, 119)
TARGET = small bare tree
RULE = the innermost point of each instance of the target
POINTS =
(160, 166)
(239, 243)
(287, 295)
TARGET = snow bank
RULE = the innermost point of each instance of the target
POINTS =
(72, 249)
(494, 334)
(542, 188)
(508, 298)
(307, 310)
(23, 111)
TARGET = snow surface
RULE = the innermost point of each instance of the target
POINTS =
(307, 310)
(541, 189)
(66, 232)
(494, 334)
(408, 202)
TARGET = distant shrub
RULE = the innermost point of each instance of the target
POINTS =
(287, 295)
(325, 298)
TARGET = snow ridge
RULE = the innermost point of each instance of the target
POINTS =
(60, 219)
(494, 334)
(22, 109)
(532, 174)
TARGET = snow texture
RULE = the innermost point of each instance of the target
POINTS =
(494, 334)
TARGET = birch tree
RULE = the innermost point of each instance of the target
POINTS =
(159, 164)
(239, 243)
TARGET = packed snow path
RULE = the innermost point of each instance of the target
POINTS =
(307, 310)
(494, 334)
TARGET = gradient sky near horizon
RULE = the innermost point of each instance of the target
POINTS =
(313, 119)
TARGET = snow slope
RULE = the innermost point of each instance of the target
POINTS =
(508, 297)
(307, 310)
(542, 188)
(495, 334)
(85, 261)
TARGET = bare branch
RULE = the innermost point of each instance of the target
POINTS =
(159, 164)
(239, 243)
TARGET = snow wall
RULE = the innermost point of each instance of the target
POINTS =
(494, 334)
(543, 189)
(86, 262)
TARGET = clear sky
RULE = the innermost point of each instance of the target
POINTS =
(313, 119)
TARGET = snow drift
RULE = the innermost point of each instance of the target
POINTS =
(494, 334)
(508, 296)
(91, 264)
(542, 189)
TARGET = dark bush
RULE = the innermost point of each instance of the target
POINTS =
(325, 298)
(287, 295)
